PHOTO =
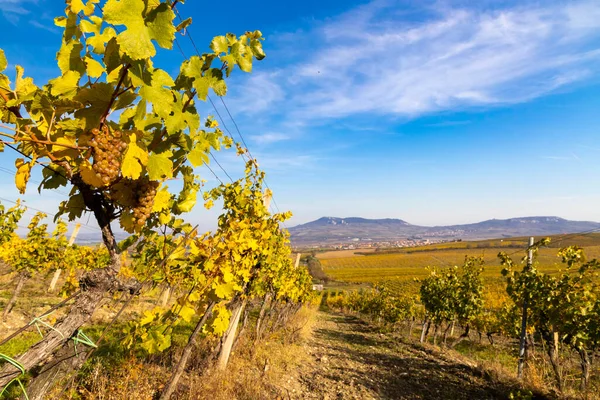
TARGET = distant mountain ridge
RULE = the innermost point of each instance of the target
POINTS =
(328, 230)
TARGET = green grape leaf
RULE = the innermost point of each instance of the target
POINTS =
(157, 94)
(3, 62)
(198, 155)
(135, 39)
(24, 87)
(160, 165)
(69, 57)
(212, 78)
(133, 161)
(74, 207)
(65, 85)
(96, 98)
(155, 341)
(160, 25)
(53, 180)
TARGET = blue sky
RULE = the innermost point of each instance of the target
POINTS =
(433, 112)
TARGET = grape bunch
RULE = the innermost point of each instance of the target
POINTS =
(107, 149)
(145, 193)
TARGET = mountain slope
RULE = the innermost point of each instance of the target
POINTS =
(329, 230)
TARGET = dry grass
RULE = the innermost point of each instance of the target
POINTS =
(255, 371)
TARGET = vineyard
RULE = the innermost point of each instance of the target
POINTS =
(172, 312)
(538, 316)
(113, 129)
(400, 267)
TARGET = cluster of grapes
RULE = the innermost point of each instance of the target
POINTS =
(107, 149)
(145, 193)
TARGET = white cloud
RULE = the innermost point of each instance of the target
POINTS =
(12, 10)
(375, 60)
(260, 92)
(270, 137)
(50, 28)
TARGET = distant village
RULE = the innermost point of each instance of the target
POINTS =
(357, 243)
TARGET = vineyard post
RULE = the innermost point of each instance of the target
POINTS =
(522, 343)
(238, 307)
(165, 296)
(297, 260)
(59, 270)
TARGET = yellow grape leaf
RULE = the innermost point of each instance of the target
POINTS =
(198, 155)
(160, 165)
(126, 221)
(94, 68)
(135, 158)
(224, 290)
(61, 150)
(219, 321)
(114, 76)
(89, 176)
(150, 316)
(164, 217)
(77, 6)
(227, 275)
(187, 313)
(66, 85)
(23, 174)
(187, 201)
(3, 62)
(161, 201)
(194, 295)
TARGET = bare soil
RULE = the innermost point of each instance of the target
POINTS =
(353, 360)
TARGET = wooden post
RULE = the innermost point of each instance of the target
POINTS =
(58, 271)
(267, 199)
(227, 340)
(166, 296)
(523, 342)
(424, 330)
(297, 260)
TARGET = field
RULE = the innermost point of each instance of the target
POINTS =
(400, 267)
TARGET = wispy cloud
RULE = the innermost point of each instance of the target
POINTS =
(376, 60)
(270, 137)
(570, 157)
(13, 10)
(444, 124)
(49, 28)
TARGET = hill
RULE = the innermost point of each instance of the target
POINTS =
(330, 230)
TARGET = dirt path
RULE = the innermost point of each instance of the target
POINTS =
(351, 360)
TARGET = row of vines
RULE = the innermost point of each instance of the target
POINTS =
(114, 129)
(562, 310)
